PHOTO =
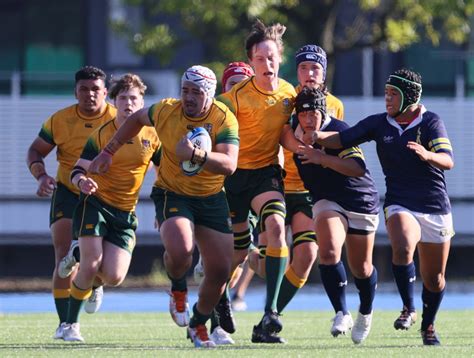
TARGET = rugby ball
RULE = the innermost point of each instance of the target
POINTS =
(201, 139)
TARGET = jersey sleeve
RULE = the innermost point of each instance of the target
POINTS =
(156, 158)
(363, 131)
(154, 111)
(438, 137)
(353, 153)
(46, 131)
(228, 132)
(228, 99)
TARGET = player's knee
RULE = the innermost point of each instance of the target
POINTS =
(305, 248)
(402, 255)
(114, 279)
(329, 257)
(435, 282)
(272, 218)
(274, 227)
(89, 269)
(363, 271)
(219, 271)
(308, 257)
(181, 257)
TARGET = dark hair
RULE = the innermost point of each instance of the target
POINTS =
(90, 73)
(261, 33)
(126, 82)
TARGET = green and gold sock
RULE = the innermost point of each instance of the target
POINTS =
(275, 265)
(289, 286)
(76, 301)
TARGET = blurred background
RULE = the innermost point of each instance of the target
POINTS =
(44, 42)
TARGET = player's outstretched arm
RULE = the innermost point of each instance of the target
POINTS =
(327, 139)
(127, 131)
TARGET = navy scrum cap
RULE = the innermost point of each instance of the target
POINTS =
(311, 99)
(312, 53)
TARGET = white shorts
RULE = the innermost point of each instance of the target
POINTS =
(355, 221)
(435, 228)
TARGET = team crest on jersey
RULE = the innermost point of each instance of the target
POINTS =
(270, 101)
(287, 106)
(418, 136)
(388, 139)
(146, 144)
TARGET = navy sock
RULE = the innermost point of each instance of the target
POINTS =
(431, 303)
(366, 287)
(405, 277)
(178, 284)
(335, 281)
(198, 318)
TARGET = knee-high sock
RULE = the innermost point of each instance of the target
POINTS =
(405, 277)
(431, 303)
(289, 286)
(76, 300)
(61, 301)
(366, 287)
(275, 264)
(335, 281)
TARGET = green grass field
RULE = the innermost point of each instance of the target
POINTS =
(154, 334)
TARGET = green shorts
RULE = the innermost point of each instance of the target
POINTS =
(93, 217)
(209, 211)
(63, 204)
(245, 184)
(296, 203)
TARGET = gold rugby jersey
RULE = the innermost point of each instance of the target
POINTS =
(293, 182)
(261, 116)
(171, 125)
(120, 186)
(68, 130)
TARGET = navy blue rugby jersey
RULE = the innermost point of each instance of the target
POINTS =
(356, 194)
(411, 182)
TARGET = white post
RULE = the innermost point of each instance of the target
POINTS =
(367, 72)
(15, 85)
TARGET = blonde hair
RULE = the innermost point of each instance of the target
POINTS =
(126, 82)
(261, 33)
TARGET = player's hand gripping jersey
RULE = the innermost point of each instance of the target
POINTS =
(293, 182)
